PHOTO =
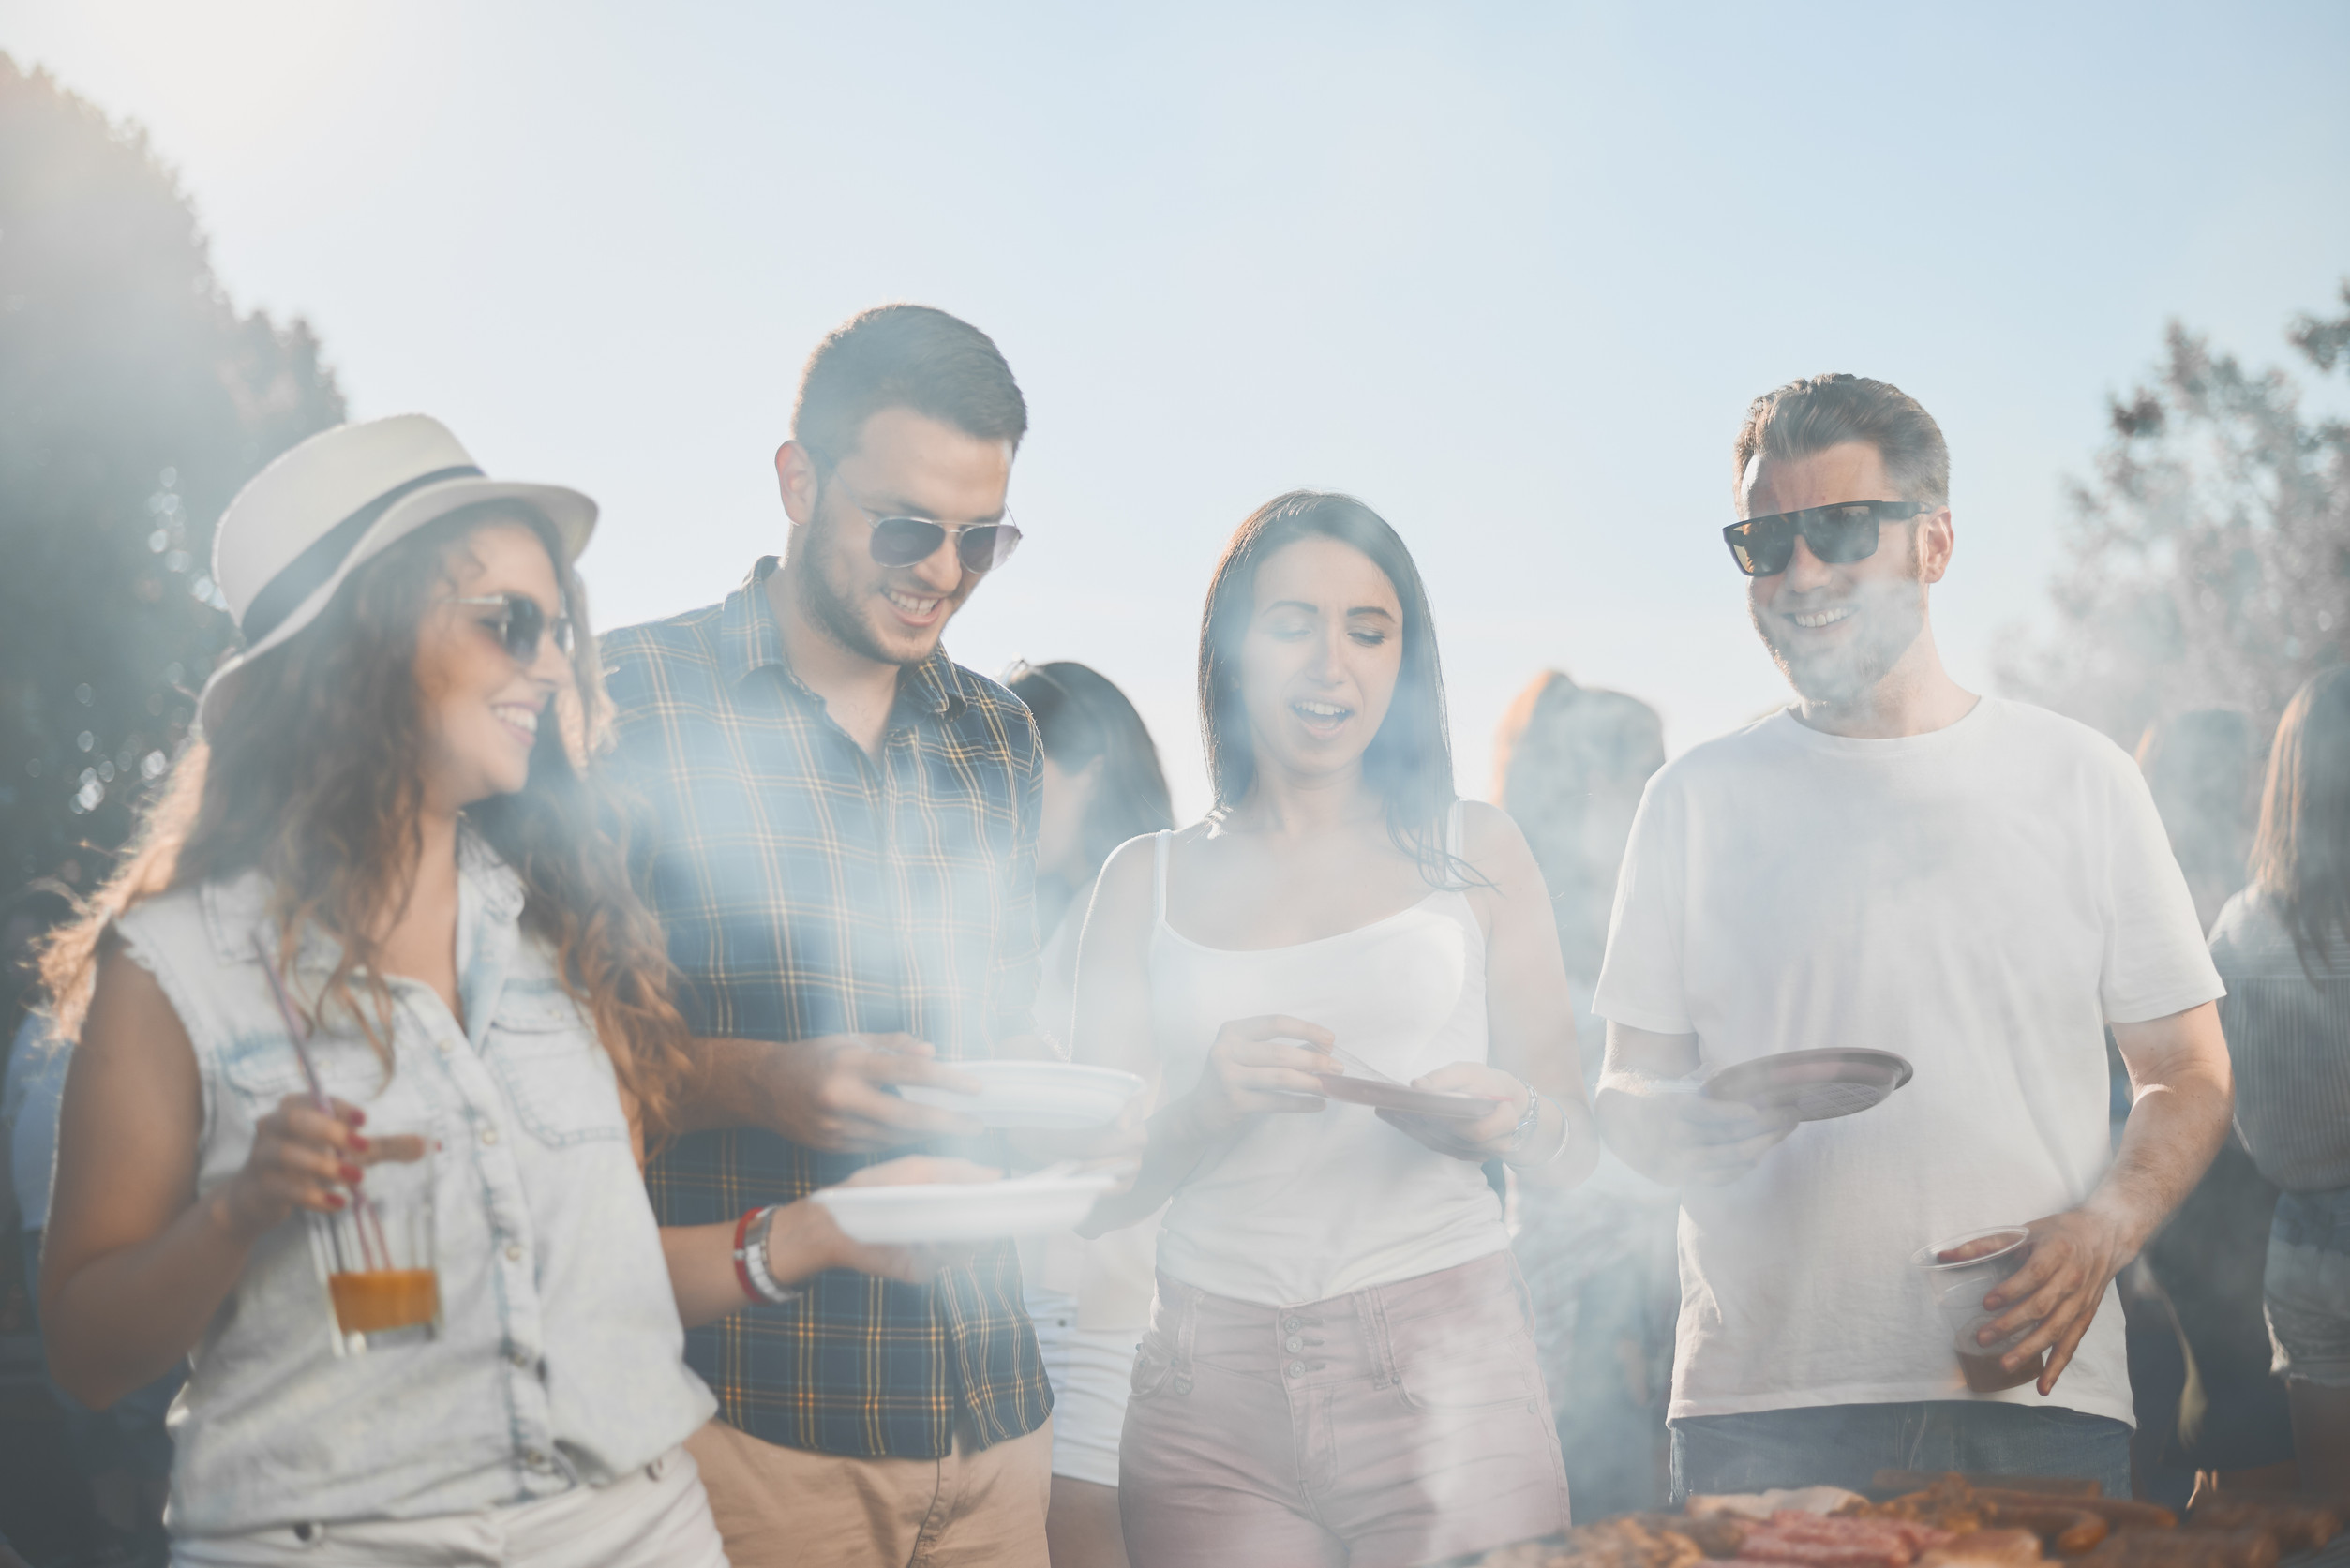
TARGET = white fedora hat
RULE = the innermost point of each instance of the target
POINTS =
(333, 502)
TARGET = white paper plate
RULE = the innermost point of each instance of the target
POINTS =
(1035, 1094)
(965, 1211)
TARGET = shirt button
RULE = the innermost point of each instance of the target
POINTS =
(513, 1252)
(533, 1458)
(1297, 1368)
(446, 1045)
(521, 1359)
(489, 1135)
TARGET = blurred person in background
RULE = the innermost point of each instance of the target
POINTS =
(838, 829)
(390, 805)
(2207, 1404)
(1089, 1300)
(2198, 767)
(1340, 1366)
(1895, 861)
(2283, 944)
(122, 1453)
(1569, 766)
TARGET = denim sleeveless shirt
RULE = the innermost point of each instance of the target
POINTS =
(559, 1361)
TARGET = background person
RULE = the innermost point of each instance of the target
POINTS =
(1894, 860)
(386, 804)
(2283, 947)
(122, 1453)
(1340, 1366)
(1569, 766)
(838, 829)
(1089, 1300)
(2213, 1409)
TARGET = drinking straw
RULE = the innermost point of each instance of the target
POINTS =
(362, 1211)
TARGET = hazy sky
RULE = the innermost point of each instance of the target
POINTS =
(1508, 273)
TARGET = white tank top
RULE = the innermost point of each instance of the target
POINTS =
(1302, 1208)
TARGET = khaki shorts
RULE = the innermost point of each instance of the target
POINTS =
(785, 1507)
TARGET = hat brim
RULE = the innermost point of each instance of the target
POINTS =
(570, 514)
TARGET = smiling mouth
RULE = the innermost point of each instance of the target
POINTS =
(1812, 620)
(914, 608)
(522, 720)
(1322, 718)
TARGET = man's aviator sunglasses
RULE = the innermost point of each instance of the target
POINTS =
(904, 541)
(520, 624)
(1846, 531)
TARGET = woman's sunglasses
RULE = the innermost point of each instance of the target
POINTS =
(904, 541)
(1837, 534)
(520, 624)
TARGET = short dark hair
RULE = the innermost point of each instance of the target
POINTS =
(1409, 762)
(1813, 413)
(1081, 717)
(904, 356)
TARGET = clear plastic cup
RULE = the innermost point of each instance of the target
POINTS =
(1961, 1270)
(375, 1257)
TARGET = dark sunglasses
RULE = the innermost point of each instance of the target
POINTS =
(520, 623)
(1846, 531)
(904, 541)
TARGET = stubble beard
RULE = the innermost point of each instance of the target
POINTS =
(827, 601)
(1891, 616)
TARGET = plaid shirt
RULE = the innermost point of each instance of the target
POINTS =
(808, 888)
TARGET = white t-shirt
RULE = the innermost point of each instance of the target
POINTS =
(1980, 899)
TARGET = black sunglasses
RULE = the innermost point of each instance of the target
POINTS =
(1846, 531)
(904, 541)
(520, 623)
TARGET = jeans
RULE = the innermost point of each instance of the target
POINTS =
(1845, 1445)
(1397, 1424)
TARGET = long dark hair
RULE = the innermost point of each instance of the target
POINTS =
(311, 775)
(1409, 762)
(2301, 857)
(1081, 716)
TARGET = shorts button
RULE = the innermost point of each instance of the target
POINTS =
(1297, 1368)
(1291, 1323)
(1293, 1343)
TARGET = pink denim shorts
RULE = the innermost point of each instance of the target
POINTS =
(1394, 1426)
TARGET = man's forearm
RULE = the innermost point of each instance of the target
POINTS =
(2174, 1128)
(727, 1087)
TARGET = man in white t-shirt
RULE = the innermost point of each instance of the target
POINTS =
(1896, 863)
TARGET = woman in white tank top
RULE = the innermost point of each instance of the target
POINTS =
(1340, 1366)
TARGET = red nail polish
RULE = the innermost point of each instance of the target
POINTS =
(333, 1200)
(358, 1142)
(350, 1174)
(359, 1117)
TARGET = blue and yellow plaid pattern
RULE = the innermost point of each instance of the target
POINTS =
(808, 888)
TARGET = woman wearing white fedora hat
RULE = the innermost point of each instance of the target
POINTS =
(380, 891)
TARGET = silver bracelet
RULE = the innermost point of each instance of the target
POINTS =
(754, 1255)
(1527, 1123)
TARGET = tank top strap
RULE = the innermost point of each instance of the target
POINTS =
(1159, 875)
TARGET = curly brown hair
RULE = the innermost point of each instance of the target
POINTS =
(311, 775)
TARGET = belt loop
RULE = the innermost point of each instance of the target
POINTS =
(1187, 1328)
(1370, 1311)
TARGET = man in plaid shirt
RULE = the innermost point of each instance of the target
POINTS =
(840, 838)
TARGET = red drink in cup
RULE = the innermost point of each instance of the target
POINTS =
(1961, 1270)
